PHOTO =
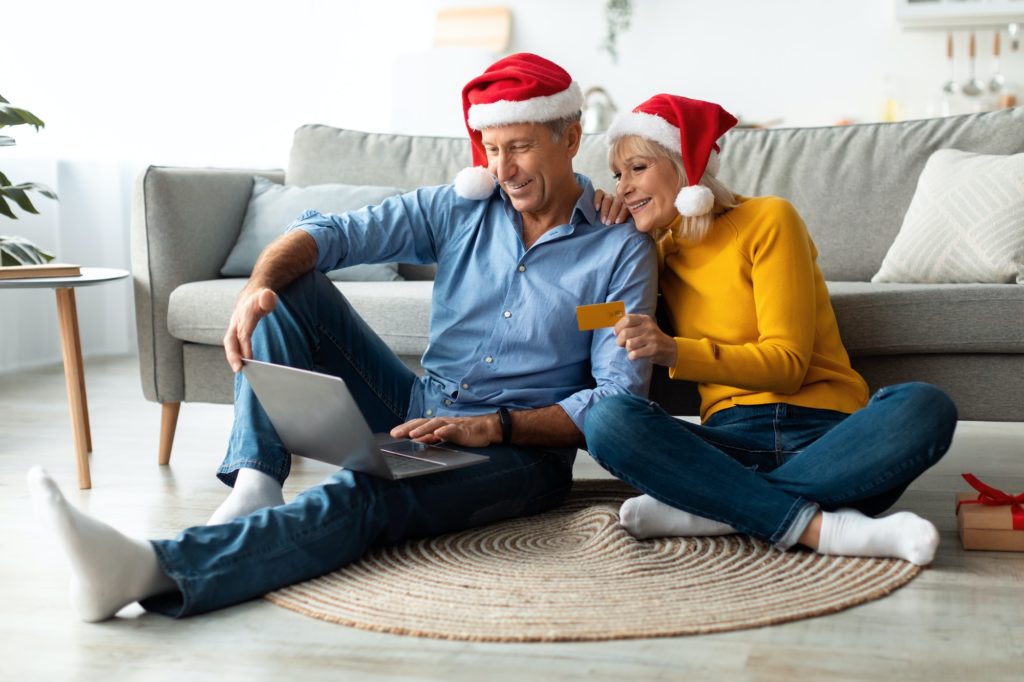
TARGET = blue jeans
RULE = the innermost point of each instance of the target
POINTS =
(334, 523)
(767, 469)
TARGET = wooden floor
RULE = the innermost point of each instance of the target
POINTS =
(961, 619)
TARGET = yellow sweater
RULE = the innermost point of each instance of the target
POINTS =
(753, 316)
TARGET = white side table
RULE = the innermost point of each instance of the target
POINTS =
(71, 349)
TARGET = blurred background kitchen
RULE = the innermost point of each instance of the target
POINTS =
(122, 84)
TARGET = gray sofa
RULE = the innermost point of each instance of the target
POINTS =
(851, 184)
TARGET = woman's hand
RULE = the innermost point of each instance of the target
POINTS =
(611, 207)
(641, 337)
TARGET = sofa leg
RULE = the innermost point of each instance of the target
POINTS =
(168, 422)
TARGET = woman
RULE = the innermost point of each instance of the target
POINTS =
(789, 449)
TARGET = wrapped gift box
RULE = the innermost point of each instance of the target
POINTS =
(990, 527)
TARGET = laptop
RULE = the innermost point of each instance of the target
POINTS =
(316, 416)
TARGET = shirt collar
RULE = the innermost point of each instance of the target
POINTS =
(585, 205)
(583, 212)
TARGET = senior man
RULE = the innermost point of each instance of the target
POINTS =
(506, 369)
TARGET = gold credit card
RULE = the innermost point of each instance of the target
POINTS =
(599, 315)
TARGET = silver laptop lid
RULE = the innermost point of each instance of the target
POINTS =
(316, 416)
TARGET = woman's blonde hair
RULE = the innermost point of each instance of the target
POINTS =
(691, 228)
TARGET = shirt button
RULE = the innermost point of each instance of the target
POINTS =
(465, 385)
(447, 402)
(507, 314)
(429, 412)
(488, 359)
(522, 268)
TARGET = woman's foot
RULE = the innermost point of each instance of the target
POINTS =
(902, 535)
(108, 570)
(253, 490)
(645, 517)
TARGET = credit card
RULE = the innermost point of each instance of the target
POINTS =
(598, 315)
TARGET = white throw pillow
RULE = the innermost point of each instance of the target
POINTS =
(272, 207)
(965, 222)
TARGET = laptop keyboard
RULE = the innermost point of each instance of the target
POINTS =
(404, 465)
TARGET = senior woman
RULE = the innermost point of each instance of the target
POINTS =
(789, 449)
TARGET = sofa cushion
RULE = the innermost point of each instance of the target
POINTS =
(874, 319)
(881, 319)
(398, 311)
(853, 184)
(964, 223)
(273, 206)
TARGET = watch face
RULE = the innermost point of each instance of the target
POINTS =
(506, 425)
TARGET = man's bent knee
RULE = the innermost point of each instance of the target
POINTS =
(609, 422)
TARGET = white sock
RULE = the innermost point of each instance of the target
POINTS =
(108, 570)
(253, 490)
(902, 535)
(645, 517)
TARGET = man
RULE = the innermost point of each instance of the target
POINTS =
(506, 368)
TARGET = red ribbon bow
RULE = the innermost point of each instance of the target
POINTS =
(992, 497)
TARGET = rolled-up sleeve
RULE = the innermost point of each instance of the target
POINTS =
(635, 282)
(404, 228)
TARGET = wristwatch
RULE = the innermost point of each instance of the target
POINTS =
(506, 425)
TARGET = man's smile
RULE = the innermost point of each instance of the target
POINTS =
(515, 187)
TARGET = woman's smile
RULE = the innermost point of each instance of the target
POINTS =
(638, 206)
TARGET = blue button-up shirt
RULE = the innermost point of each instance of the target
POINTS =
(503, 328)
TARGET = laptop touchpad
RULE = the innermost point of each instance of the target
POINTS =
(410, 448)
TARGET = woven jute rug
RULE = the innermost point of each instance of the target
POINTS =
(574, 574)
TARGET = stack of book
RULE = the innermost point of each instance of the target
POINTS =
(45, 270)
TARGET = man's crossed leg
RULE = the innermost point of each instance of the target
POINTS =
(323, 528)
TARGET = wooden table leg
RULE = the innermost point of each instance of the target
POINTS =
(81, 373)
(74, 377)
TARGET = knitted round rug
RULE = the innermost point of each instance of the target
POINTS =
(572, 574)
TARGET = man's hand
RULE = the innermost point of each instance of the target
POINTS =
(470, 432)
(611, 207)
(641, 337)
(252, 306)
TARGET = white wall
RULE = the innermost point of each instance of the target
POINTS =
(225, 82)
(122, 84)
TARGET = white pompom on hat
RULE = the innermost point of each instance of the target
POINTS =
(690, 126)
(474, 182)
(520, 88)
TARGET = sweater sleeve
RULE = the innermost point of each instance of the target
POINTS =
(782, 283)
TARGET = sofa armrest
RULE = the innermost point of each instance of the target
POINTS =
(184, 223)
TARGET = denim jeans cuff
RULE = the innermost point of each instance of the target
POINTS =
(797, 526)
(228, 471)
(174, 604)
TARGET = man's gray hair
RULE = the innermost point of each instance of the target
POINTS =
(560, 125)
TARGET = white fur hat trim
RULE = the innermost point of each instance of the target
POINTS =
(695, 200)
(647, 126)
(536, 110)
(474, 182)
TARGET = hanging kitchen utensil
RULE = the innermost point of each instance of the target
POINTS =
(950, 87)
(998, 81)
(973, 87)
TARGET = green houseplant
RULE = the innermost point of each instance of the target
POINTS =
(18, 250)
(618, 15)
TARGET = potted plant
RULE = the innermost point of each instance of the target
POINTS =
(618, 15)
(18, 250)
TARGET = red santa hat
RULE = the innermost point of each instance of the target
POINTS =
(520, 88)
(690, 127)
